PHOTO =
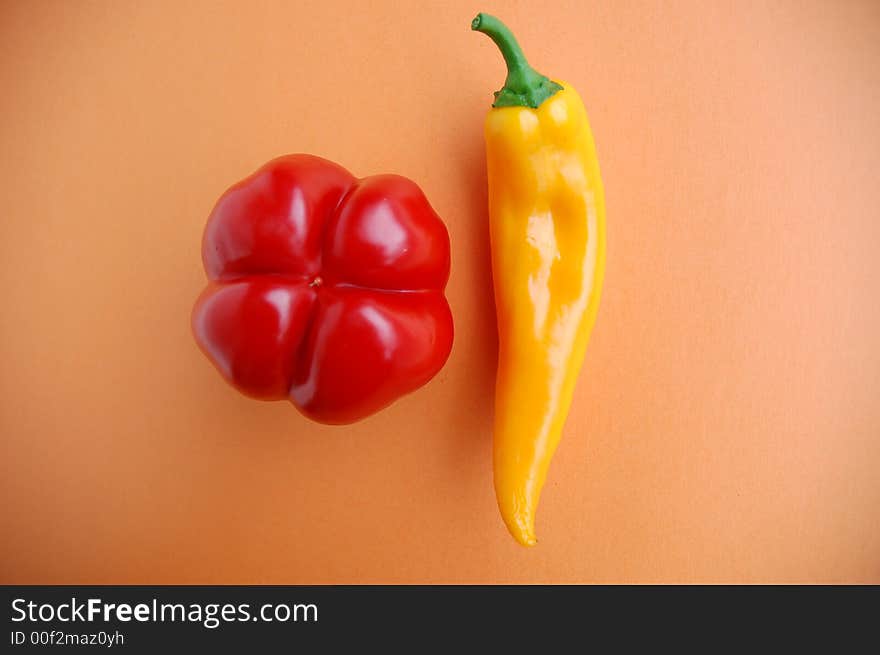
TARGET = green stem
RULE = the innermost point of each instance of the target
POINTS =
(524, 86)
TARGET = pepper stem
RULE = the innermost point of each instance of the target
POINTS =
(524, 86)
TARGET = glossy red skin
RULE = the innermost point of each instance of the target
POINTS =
(325, 289)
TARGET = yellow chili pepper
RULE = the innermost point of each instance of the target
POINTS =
(547, 228)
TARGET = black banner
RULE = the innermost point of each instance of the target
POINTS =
(280, 619)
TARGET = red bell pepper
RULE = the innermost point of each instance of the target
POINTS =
(325, 289)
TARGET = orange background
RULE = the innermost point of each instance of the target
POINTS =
(726, 427)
